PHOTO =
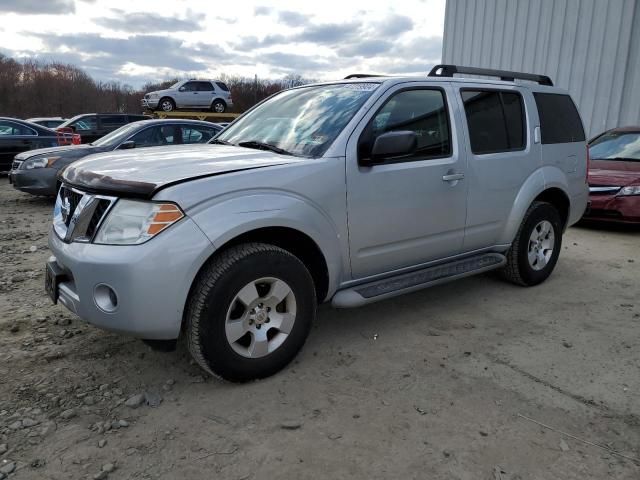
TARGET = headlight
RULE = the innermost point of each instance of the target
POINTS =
(630, 190)
(131, 222)
(42, 162)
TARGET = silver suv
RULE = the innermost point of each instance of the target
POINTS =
(346, 192)
(189, 94)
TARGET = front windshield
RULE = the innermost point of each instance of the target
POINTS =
(114, 138)
(303, 121)
(616, 146)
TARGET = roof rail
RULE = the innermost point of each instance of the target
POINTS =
(361, 75)
(507, 76)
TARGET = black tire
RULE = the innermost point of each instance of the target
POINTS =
(218, 106)
(169, 102)
(213, 294)
(518, 268)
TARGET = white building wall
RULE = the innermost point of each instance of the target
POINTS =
(589, 47)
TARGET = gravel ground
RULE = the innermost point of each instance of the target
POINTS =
(447, 383)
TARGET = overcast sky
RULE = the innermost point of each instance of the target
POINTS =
(134, 41)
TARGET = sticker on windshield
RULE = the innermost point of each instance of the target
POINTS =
(366, 87)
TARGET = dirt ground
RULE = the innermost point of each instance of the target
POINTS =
(441, 384)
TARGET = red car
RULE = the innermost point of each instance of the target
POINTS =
(614, 176)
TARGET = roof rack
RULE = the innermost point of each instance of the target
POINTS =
(361, 75)
(507, 76)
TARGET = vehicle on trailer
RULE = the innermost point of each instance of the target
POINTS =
(614, 176)
(18, 136)
(211, 95)
(36, 171)
(48, 122)
(346, 192)
(92, 126)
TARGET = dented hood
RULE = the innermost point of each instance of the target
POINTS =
(141, 173)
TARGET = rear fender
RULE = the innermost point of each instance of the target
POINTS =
(539, 181)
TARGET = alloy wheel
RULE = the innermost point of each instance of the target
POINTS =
(260, 317)
(541, 243)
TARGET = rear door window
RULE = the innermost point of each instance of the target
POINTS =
(197, 134)
(205, 86)
(559, 118)
(495, 120)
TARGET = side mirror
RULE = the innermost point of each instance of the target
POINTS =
(181, 89)
(127, 145)
(392, 145)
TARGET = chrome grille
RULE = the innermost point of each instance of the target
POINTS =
(77, 215)
(96, 218)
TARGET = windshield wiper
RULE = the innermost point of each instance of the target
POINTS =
(215, 141)
(264, 146)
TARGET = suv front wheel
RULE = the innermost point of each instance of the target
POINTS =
(250, 312)
(166, 104)
(534, 252)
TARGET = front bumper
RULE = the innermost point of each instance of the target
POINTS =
(38, 181)
(151, 280)
(150, 103)
(614, 208)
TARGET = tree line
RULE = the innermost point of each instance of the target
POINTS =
(31, 88)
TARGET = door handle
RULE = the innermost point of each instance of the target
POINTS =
(452, 177)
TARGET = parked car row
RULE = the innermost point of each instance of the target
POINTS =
(36, 171)
(17, 136)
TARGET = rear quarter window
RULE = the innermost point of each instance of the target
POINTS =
(222, 86)
(559, 118)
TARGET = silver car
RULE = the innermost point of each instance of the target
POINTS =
(212, 95)
(347, 192)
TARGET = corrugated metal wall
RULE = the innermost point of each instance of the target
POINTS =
(589, 47)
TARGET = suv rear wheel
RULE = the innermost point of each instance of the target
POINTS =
(250, 312)
(534, 252)
(218, 106)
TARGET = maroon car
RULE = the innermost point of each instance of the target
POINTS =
(614, 176)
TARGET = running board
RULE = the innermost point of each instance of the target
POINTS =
(417, 280)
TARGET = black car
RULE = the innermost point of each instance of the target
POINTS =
(92, 126)
(36, 171)
(17, 136)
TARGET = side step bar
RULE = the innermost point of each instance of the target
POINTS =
(417, 280)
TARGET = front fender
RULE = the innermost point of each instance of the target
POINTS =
(228, 217)
(539, 181)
